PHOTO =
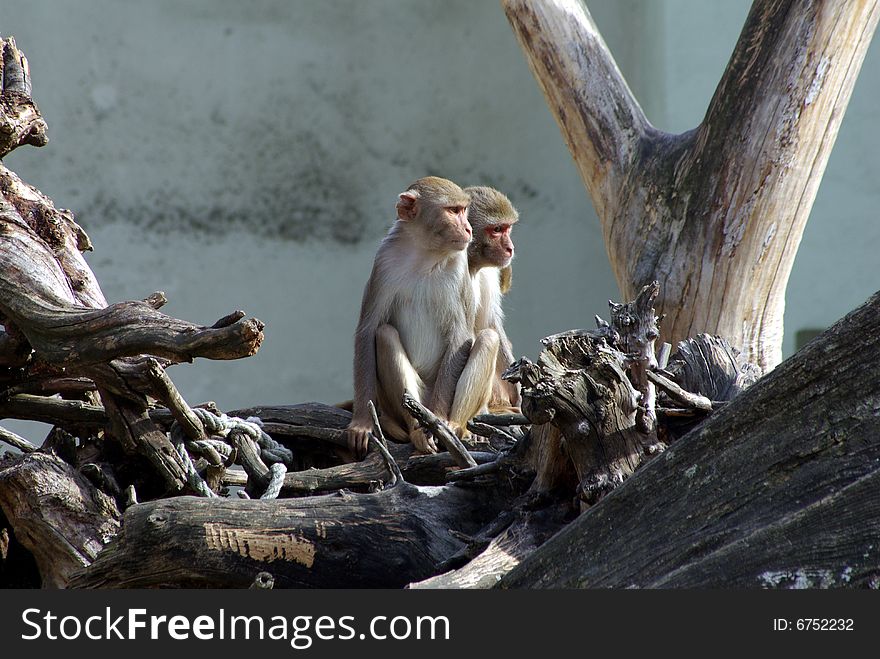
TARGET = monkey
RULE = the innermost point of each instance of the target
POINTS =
(416, 331)
(492, 216)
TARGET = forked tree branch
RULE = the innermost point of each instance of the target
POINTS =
(715, 214)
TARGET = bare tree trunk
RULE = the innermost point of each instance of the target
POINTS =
(706, 211)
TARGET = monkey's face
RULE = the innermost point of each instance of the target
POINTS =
(451, 229)
(436, 210)
(493, 247)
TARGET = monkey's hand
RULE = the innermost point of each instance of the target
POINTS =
(358, 436)
(460, 431)
(422, 442)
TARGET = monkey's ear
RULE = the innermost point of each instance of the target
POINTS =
(407, 205)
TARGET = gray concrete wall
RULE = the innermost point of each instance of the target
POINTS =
(248, 155)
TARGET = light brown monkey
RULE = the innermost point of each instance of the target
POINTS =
(492, 216)
(416, 328)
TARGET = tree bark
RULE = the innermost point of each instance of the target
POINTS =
(56, 513)
(726, 203)
(345, 540)
(778, 489)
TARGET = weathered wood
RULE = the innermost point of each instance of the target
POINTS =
(676, 393)
(726, 203)
(711, 367)
(77, 388)
(634, 327)
(316, 415)
(346, 540)
(20, 121)
(365, 475)
(502, 419)
(57, 514)
(168, 394)
(504, 551)
(579, 386)
(780, 488)
(57, 320)
(52, 410)
(16, 441)
(137, 433)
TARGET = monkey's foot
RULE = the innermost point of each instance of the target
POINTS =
(422, 442)
(460, 431)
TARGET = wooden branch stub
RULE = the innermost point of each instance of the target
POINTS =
(438, 429)
(635, 324)
(377, 439)
(474, 472)
(16, 441)
(694, 401)
(156, 300)
(377, 429)
(249, 458)
(582, 387)
(710, 366)
(53, 411)
(502, 419)
(330, 435)
(229, 319)
(133, 428)
(635, 328)
(190, 423)
(20, 120)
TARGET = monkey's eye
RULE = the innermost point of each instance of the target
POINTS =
(456, 210)
(498, 228)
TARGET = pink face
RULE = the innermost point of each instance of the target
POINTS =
(499, 245)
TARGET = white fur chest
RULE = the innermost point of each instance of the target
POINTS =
(427, 310)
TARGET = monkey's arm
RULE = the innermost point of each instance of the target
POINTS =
(365, 383)
(451, 368)
(365, 390)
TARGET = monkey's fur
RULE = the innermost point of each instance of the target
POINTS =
(416, 331)
(492, 216)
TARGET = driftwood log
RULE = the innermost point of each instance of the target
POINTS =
(341, 540)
